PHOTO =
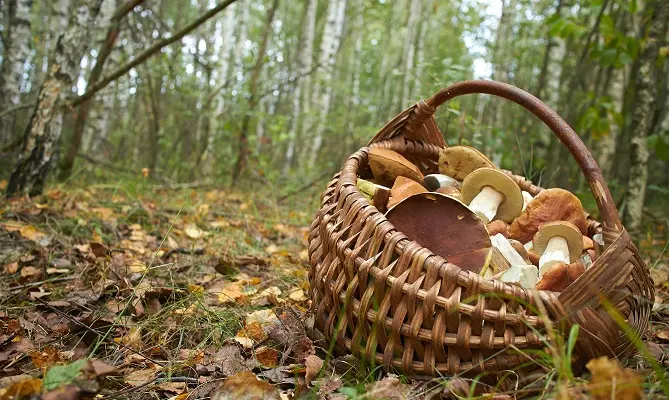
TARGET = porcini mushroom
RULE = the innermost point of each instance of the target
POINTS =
(523, 275)
(557, 242)
(527, 197)
(387, 165)
(376, 194)
(403, 188)
(445, 226)
(432, 182)
(490, 193)
(559, 276)
(549, 205)
(452, 192)
(498, 226)
(459, 161)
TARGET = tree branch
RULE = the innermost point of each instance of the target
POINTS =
(156, 47)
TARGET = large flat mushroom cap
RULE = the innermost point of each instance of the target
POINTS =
(387, 165)
(512, 205)
(567, 230)
(459, 161)
(445, 226)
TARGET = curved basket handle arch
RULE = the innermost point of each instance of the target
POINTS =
(593, 174)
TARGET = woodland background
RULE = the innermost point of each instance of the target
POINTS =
(161, 161)
(283, 91)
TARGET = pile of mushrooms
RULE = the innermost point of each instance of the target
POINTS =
(476, 216)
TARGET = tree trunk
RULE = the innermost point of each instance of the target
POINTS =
(329, 47)
(241, 26)
(420, 51)
(301, 99)
(355, 66)
(154, 126)
(17, 38)
(409, 52)
(607, 144)
(642, 116)
(391, 60)
(224, 30)
(243, 137)
(43, 131)
(108, 21)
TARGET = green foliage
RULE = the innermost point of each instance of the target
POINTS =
(62, 374)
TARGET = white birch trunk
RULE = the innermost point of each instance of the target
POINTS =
(329, 46)
(60, 12)
(607, 144)
(45, 125)
(390, 57)
(301, 98)
(420, 51)
(240, 39)
(356, 65)
(16, 52)
(409, 52)
(224, 31)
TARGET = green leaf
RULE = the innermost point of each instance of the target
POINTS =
(62, 374)
(625, 58)
(662, 149)
(608, 57)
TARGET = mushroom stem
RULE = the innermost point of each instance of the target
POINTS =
(557, 251)
(486, 203)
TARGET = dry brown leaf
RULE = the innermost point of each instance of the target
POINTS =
(11, 268)
(610, 381)
(139, 376)
(67, 392)
(313, 365)
(389, 388)
(45, 358)
(25, 388)
(297, 295)
(267, 356)
(245, 386)
(30, 274)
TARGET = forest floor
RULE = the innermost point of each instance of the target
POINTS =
(148, 292)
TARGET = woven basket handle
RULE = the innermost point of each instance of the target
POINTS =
(607, 208)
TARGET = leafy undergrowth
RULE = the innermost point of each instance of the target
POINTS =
(108, 292)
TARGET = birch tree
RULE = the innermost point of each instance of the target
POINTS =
(224, 31)
(642, 116)
(44, 128)
(301, 100)
(409, 52)
(355, 66)
(241, 28)
(17, 38)
(323, 88)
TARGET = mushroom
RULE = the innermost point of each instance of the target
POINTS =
(498, 226)
(490, 193)
(452, 192)
(387, 165)
(445, 226)
(459, 161)
(549, 205)
(523, 275)
(433, 182)
(520, 249)
(403, 188)
(557, 242)
(376, 194)
(527, 197)
(560, 275)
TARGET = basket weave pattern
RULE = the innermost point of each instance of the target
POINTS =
(385, 298)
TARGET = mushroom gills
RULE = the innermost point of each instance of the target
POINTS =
(557, 251)
(486, 203)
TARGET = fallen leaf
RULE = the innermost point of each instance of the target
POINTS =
(136, 266)
(30, 274)
(67, 392)
(11, 268)
(229, 360)
(610, 381)
(45, 358)
(245, 386)
(139, 377)
(663, 334)
(62, 374)
(54, 271)
(271, 249)
(31, 233)
(267, 356)
(24, 388)
(297, 295)
(193, 232)
(313, 364)
(390, 388)
(98, 249)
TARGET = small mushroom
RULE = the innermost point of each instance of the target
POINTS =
(520, 249)
(588, 243)
(452, 192)
(533, 257)
(433, 182)
(403, 188)
(549, 205)
(376, 194)
(527, 197)
(498, 226)
(490, 193)
(559, 276)
(387, 165)
(557, 242)
(459, 161)
(445, 226)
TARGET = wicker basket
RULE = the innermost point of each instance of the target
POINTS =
(386, 299)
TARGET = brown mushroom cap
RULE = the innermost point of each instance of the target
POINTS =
(549, 205)
(445, 226)
(498, 226)
(403, 188)
(519, 248)
(564, 229)
(512, 205)
(451, 191)
(459, 161)
(588, 243)
(387, 165)
(559, 276)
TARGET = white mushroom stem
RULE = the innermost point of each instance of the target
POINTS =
(523, 275)
(486, 203)
(527, 197)
(557, 251)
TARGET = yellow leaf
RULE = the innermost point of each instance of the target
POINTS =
(193, 232)
(297, 295)
(610, 381)
(3, 184)
(137, 266)
(31, 233)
